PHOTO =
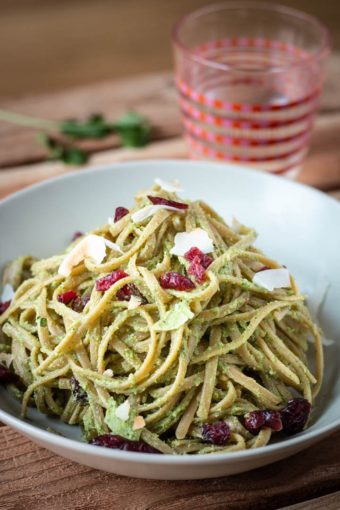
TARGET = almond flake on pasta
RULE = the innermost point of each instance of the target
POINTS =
(197, 238)
(123, 411)
(170, 186)
(150, 210)
(113, 246)
(134, 302)
(92, 247)
(236, 225)
(271, 279)
(138, 423)
(7, 293)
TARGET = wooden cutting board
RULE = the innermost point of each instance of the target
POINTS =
(34, 478)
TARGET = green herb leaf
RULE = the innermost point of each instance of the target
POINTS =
(175, 317)
(42, 321)
(74, 156)
(93, 127)
(61, 151)
(133, 129)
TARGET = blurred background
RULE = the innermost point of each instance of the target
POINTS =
(47, 45)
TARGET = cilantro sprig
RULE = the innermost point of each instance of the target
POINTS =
(60, 138)
(61, 151)
(95, 126)
(134, 130)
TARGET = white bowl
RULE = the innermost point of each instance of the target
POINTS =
(297, 225)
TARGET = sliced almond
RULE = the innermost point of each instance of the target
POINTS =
(271, 279)
(7, 293)
(138, 423)
(150, 210)
(170, 186)
(134, 302)
(197, 238)
(123, 411)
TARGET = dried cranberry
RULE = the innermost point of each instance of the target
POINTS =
(77, 234)
(3, 306)
(170, 203)
(120, 212)
(176, 281)
(125, 293)
(197, 270)
(106, 282)
(264, 268)
(295, 415)
(192, 253)
(67, 297)
(79, 303)
(273, 420)
(204, 259)
(77, 391)
(121, 443)
(216, 433)
(254, 421)
(6, 376)
(199, 261)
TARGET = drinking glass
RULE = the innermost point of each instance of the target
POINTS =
(249, 77)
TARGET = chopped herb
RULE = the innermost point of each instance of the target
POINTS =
(61, 151)
(42, 321)
(132, 128)
(94, 126)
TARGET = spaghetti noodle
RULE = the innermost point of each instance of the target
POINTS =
(180, 350)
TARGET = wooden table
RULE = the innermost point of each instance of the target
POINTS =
(34, 478)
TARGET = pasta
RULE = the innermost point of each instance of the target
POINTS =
(158, 342)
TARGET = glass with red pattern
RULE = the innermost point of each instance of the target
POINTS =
(249, 76)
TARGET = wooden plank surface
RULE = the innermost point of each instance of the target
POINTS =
(329, 502)
(33, 478)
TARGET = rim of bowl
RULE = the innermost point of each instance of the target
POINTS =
(85, 448)
(243, 169)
